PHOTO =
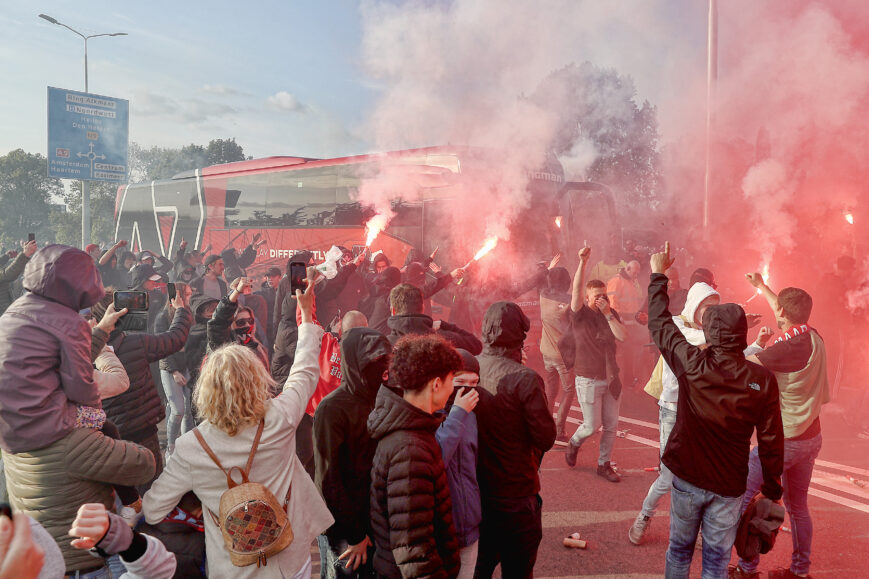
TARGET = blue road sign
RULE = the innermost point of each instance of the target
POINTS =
(88, 136)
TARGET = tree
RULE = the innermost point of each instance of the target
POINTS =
(598, 106)
(67, 225)
(164, 163)
(25, 197)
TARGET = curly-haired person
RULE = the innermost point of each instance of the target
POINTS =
(411, 517)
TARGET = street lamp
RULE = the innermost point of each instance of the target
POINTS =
(85, 197)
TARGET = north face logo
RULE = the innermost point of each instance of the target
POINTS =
(754, 386)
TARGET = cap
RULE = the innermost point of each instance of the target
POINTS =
(211, 259)
(142, 273)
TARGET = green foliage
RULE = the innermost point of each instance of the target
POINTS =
(25, 196)
(164, 163)
(102, 197)
(597, 114)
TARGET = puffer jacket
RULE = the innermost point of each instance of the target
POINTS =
(516, 427)
(343, 450)
(723, 399)
(411, 509)
(137, 411)
(421, 324)
(51, 483)
(8, 276)
(45, 350)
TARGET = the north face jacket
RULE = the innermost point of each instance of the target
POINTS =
(723, 399)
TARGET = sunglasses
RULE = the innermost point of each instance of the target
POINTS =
(244, 322)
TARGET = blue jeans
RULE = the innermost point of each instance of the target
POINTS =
(799, 461)
(662, 484)
(332, 568)
(690, 508)
(180, 419)
(103, 573)
(598, 406)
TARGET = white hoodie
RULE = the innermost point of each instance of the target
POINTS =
(695, 336)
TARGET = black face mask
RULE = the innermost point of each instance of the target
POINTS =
(243, 331)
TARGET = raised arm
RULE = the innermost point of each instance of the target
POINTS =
(756, 280)
(107, 256)
(576, 297)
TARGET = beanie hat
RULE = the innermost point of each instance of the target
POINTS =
(469, 361)
(90, 247)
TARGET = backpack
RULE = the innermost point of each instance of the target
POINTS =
(254, 524)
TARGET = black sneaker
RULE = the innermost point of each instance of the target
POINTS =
(570, 454)
(606, 471)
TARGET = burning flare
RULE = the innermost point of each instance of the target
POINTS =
(373, 228)
(765, 275)
(558, 222)
(849, 217)
(487, 247)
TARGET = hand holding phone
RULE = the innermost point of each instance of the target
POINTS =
(133, 301)
(298, 273)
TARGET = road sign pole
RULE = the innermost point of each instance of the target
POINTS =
(85, 215)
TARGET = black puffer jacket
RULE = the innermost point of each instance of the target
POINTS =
(138, 410)
(176, 362)
(723, 398)
(411, 509)
(515, 425)
(235, 265)
(421, 324)
(343, 450)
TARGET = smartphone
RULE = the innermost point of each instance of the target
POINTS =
(170, 290)
(31, 237)
(298, 273)
(132, 300)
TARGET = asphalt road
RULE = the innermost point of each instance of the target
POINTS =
(577, 500)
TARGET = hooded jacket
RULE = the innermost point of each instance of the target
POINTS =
(197, 339)
(137, 411)
(515, 425)
(411, 509)
(723, 398)
(458, 439)
(421, 324)
(219, 332)
(45, 350)
(343, 450)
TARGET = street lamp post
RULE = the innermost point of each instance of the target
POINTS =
(85, 197)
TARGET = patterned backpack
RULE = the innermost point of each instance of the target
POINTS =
(254, 524)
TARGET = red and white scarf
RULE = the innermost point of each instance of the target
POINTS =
(793, 332)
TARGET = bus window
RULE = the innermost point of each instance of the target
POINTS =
(283, 199)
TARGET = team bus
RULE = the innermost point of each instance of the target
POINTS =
(299, 203)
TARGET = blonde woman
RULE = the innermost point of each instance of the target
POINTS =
(232, 396)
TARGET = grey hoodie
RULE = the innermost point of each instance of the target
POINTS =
(45, 358)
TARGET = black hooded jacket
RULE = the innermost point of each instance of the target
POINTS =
(723, 398)
(235, 265)
(421, 324)
(197, 341)
(376, 305)
(515, 425)
(411, 509)
(343, 450)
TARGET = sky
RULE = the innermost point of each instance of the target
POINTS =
(283, 78)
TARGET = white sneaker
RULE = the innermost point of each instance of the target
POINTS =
(639, 528)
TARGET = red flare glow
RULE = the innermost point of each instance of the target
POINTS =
(558, 222)
(764, 275)
(849, 217)
(373, 228)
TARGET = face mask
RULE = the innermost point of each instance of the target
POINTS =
(242, 331)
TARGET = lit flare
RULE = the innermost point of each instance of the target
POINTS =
(849, 217)
(558, 222)
(488, 246)
(373, 228)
